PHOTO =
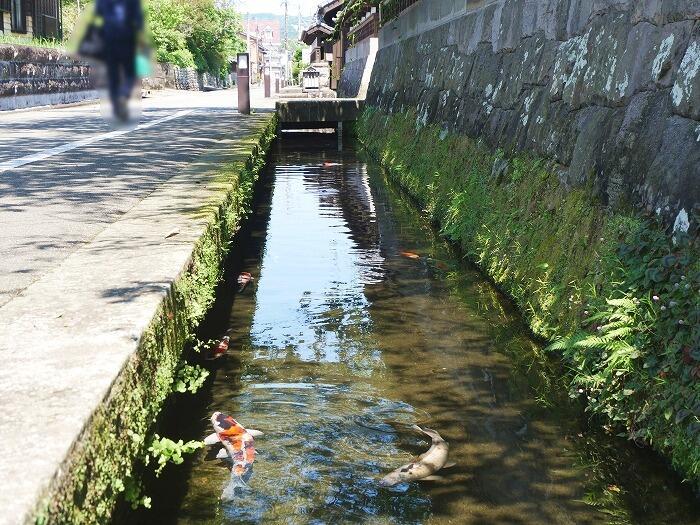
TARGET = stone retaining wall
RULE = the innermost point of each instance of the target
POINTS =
(32, 76)
(174, 77)
(359, 62)
(608, 89)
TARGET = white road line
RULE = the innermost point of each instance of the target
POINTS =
(43, 155)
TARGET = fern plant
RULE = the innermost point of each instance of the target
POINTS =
(606, 361)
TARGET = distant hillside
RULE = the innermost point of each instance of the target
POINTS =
(293, 29)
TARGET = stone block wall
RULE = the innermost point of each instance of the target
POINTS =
(32, 76)
(359, 62)
(608, 89)
(349, 85)
(174, 77)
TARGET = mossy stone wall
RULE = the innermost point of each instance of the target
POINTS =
(626, 292)
(101, 465)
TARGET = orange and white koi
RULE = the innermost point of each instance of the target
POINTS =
(239, 448)
(215, 352)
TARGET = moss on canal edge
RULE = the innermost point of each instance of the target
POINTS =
(101, 462)
(562, 256)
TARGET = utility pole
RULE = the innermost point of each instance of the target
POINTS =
(285, 3)
(301, 28)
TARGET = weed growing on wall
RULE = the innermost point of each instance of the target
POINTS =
(637, 360)
(618, 294)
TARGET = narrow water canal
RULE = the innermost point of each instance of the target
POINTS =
(343, 342)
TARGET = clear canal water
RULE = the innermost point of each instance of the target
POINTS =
(342, 342)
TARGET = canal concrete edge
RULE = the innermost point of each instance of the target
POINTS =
(93, 347)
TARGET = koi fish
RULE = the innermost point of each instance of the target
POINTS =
(215, 352)
(331, 164)
(410, 255)
(239, 448)
(243, 280)
(425, 466)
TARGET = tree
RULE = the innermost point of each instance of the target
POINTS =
(194, 33)
(297, 63)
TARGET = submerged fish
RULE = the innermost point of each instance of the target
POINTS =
(239, 448)
(215, 352)
(243, 280)
(425, 466)
(410, 255)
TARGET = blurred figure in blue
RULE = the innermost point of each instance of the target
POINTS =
(122, 25)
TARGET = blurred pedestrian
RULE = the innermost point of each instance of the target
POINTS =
(121, 28)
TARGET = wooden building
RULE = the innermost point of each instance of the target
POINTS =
(323, 49)
(31, 18)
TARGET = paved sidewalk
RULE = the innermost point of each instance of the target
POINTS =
(49, 208)
(86, 258)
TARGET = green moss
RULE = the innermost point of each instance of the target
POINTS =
(562, 257)
(101, 464)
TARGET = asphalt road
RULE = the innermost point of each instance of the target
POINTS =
(67, 173)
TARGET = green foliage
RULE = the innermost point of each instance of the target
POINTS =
(133, 494)
(194, 33)
(619, 294)
(350, 13)
(638, 364)
(164, 451)
(297, 64)
(71, 12)
(190, 378)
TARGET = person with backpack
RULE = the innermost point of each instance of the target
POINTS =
(122, 25)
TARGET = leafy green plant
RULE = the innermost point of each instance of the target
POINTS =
(133, 494)
(350, 14)
(606, 364)
(164, 451)
(190, 378)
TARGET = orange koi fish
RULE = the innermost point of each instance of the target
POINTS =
(239, 448)
(410, 255)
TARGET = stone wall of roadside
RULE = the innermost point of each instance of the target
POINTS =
(188, 79)
(359, 62)
(351, 77)
(608, 89)
(32, 76)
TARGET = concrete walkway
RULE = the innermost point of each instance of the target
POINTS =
(96, 224)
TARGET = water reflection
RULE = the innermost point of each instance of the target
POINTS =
(314, 269)
(342, 343)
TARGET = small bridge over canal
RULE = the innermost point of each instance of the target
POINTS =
(319, 114)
